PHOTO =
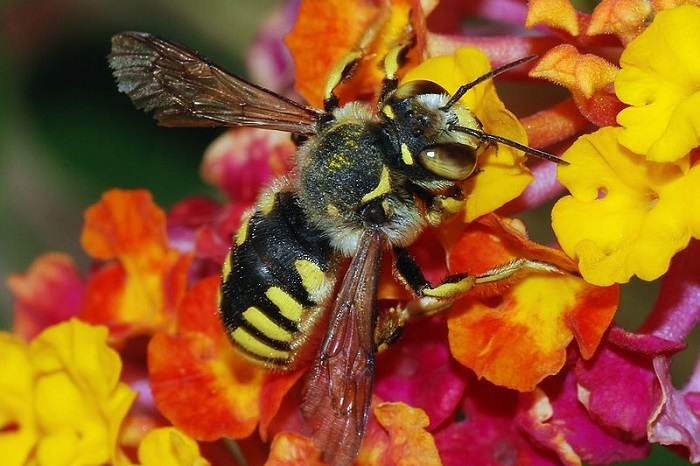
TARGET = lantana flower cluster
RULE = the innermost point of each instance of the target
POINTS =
(127, 363)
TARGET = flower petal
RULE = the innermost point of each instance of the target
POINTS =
(517, 337)
(80, 402)
(676, 420)
(419, 371)
(290, 449)
(145, 278)
(587, 76)
(243, 161)
(625, 216)
(659, 79)
(558, 14)
(484, 431)
(370, 24)
(168, 446)
(49, 292)
(557, 421)
(18, 429)
(407, 441)
(611, 402)
(624, 18)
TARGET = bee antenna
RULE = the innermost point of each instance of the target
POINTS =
(463, 89)
(508, 142)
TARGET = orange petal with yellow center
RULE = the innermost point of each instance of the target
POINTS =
(199, 383)
(399, 437)
(144, 278)
(290, 449)
(515, 334)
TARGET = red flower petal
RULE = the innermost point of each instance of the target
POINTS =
(613, 403)
(241, 162)
(557, 421)
(420, 371)
(484, 431)
(677, 420)
(49, 292)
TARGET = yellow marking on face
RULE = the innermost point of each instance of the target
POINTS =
(266, 325)
(332, 210)
(287, 305)
(255, 346)
(382, 188)
(389, 112)
(266, 203)
(242, 233)
(406, 155)
(312, 277)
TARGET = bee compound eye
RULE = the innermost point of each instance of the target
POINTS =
(414, 88)
(451, 161)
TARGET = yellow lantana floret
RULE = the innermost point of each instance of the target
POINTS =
(660, 80)
(625, 216)
(168, 446)
(61, 397)
(503, 175)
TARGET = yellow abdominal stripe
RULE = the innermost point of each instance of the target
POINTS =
(287, 305)
(312, 277)
(255, 346)
(266, 325)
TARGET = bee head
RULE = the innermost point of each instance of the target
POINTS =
(432, 150)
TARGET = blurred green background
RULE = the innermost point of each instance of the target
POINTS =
(67, 135)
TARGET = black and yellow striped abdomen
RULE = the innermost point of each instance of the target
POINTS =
(275, 281)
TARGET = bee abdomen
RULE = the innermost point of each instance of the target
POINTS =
(275, 280)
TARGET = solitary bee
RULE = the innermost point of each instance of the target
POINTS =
(365, 181)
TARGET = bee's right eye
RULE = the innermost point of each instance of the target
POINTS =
(452, 161)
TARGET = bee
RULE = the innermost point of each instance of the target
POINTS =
(366, 182)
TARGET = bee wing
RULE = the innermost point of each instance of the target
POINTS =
(338, 393)
(186, 89)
